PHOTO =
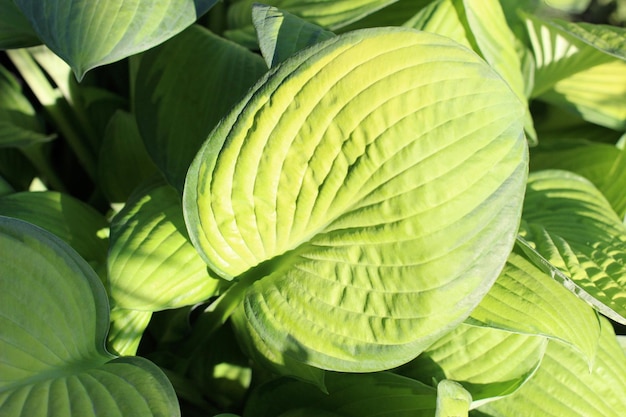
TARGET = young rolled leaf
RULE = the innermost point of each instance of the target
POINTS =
(480, 358)
(564, 385)
(452, 400)
(339, 188)
(152, 265)
(281, 34)
(195, 67)
(570, 223)
(54, 319)
(526, 300)
(98, 32)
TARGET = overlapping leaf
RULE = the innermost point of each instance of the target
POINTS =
(564, 385)
(98, 32)
(53, 321)
(183, 89)
(480, 359)
(570, 223)
(341, 186)
(526, 300)
(73, 221)
(152, 265)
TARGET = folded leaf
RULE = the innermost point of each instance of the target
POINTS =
(183, 88)
(338, 190)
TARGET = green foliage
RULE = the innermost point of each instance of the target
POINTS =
(329, 208)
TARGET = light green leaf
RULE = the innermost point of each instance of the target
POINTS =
(570, 6)
(123, 163)
(564, 386)
(559, 53)
(195, 67)
(349, 395)
(76, 223)
(608, 39)
(127, 328)
(452, 400)
(526, 300)
(19, 126)
(602, 164)
(570, 224)
(15, 30)
(281, 34)
(340, 187)
(98, 32)
(480, 25)
(54, 317)
(598, 94)
(480, 359)
(152, 265)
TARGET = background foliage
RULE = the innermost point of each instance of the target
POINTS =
(329, 208)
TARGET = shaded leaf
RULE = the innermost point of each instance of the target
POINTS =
(15, 30)
(358, 395)
(54, 319)
(183, 89)
(152, 265)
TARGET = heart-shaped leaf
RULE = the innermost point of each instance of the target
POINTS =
(340, 187)
(53, 321)
(98, 32)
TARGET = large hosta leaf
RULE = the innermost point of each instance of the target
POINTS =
(98, 32)
(341, 187)
(565, 386)
(570, 223)
(53, 322)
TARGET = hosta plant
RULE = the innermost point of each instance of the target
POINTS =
(332, 208)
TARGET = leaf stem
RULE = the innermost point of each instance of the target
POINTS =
(55, 104)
